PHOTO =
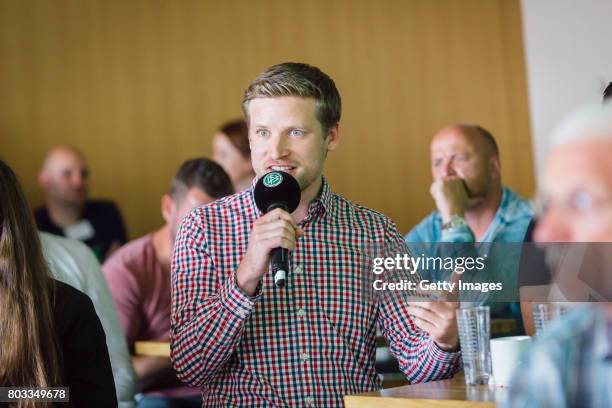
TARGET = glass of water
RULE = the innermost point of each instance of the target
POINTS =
(474, 335)
(546, 313)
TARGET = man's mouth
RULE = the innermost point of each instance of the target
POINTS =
(281, 168)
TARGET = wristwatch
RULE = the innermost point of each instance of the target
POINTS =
(456, 221)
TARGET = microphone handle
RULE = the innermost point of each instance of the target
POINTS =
(279, 263)
(279, 257)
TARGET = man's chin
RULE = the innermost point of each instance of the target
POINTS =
(75, 202)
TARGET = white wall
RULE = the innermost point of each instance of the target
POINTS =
(568, 46)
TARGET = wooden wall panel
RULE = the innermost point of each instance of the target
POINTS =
(141, 85)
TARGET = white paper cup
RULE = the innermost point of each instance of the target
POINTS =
(506, 355)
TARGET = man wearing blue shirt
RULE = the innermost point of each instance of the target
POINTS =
(472, 205)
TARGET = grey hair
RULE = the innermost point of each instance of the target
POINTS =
(592, 121)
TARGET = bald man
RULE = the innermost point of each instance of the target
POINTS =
(472, 205)
(68, 212)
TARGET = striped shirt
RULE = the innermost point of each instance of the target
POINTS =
(307, 344)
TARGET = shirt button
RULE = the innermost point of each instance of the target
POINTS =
(309, 401)
(297, 270)
(304, 357)
(301, 312)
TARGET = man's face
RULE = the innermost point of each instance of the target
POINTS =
(455, 154)
(230, 158)
(577, 194)
(65, 177)
(183, 205)
(285, 135)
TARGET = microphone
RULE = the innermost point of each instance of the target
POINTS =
(277, 189)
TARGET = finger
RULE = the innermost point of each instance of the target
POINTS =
(453, 179)
(278, 214)
(278, 242)
(433, 188)
(299, 232)
(277, 225)
(276, 233)
(423, 314)
(424, 325)
(453, 295)
(439, 310)
(429, 294)
(475, 201)
(444, 311)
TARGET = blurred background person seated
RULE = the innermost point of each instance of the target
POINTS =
(535, 277)
(471, 203)
(232, 151)
(49, 331)
(68, 211)
(570, 365)
(139, 278)
(473, 206)
(72, 262)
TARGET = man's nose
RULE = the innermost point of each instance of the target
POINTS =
(77, 179)
(552, 226)
(448, 169)
(279, 146)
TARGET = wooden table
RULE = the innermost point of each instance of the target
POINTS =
(447, 393)
(152, 348)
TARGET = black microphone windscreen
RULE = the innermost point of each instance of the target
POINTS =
(277, 187)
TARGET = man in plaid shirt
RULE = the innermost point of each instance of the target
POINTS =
(245, 342)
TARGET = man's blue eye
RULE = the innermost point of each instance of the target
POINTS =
(263, 132)
(297, 132)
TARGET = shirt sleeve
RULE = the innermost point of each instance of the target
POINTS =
(420, 359)
(539, 381)
(208, 312)
(126, 296)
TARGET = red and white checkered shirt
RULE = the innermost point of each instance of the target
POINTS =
(307, 344)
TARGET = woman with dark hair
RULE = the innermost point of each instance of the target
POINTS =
(231, 150)
(50, 335)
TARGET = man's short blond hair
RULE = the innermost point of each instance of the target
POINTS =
(301, 80)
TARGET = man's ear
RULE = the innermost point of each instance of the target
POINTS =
(333, 137)
(167, 207)
(495, 166)
(43, 178)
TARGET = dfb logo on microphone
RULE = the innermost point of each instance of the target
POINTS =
(272, 179)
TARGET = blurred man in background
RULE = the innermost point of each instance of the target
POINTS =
(139, 278)
(571, 364)
(68, 211)
(472, 205)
